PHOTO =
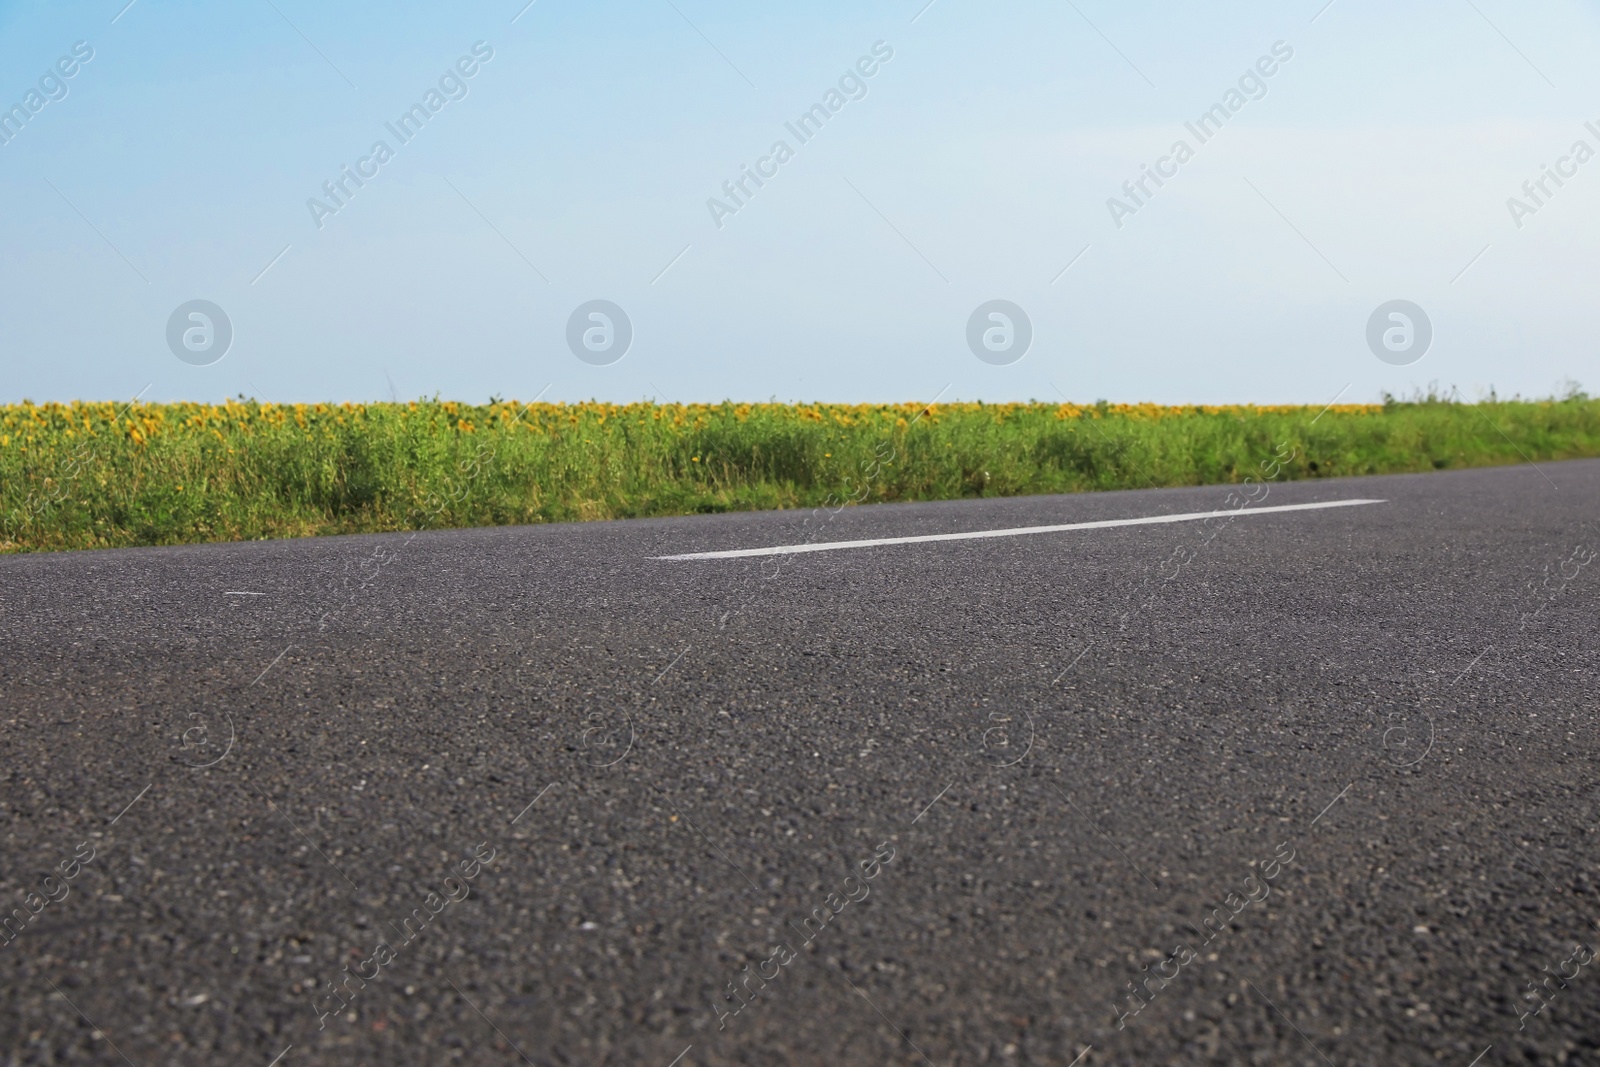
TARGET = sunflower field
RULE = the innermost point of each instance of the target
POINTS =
(102, 475)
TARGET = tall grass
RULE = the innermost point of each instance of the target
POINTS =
(92, 475)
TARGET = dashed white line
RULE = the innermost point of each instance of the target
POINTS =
(1020, 531)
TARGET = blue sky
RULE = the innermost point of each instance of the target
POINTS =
(979, 163)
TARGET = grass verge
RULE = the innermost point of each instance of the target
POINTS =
(102, 475)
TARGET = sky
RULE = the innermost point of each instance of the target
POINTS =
(584, 158)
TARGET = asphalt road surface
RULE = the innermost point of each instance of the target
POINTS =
(1318, 784)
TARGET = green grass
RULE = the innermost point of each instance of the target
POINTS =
(100, 475)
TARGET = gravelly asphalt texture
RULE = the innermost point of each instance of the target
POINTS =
(1367, 735)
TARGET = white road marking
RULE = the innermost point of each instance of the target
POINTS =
(1020, 531)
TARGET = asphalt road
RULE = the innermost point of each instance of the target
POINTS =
(1002, 778)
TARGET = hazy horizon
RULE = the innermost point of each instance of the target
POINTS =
(1565, 391)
